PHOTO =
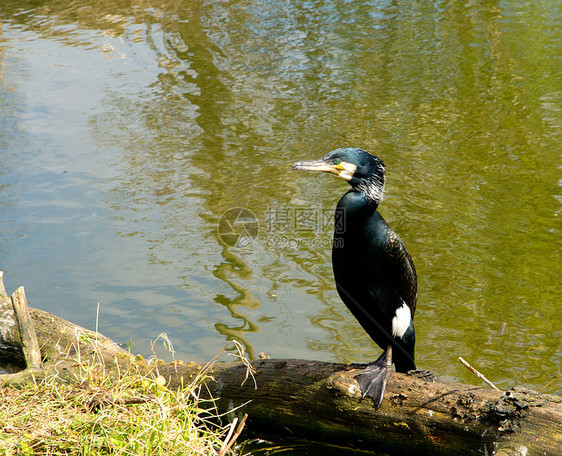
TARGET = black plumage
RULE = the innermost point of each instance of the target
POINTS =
(374, 273)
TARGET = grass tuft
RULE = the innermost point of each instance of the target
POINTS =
(98, 414)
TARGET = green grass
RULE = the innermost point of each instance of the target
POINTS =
(100, 415)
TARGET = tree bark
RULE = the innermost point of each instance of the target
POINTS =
(320, 401)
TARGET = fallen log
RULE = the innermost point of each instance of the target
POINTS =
(321, 402)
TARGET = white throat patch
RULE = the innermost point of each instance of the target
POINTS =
(401, 321)
(347, 171)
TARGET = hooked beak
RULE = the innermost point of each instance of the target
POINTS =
(318, 165)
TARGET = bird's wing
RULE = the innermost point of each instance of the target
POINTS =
(402, 269)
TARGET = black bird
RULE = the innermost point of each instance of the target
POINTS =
(374, 273)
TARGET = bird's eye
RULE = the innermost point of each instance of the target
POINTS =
(336, 161)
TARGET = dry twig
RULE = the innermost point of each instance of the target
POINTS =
(228, 442)
(478, 374)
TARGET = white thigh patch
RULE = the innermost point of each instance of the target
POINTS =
(401, 321)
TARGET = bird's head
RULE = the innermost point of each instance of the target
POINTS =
(364, 172)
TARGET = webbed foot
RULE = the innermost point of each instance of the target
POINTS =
(373, 379)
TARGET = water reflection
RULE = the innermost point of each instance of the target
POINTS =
(229, 271)
(172, 113)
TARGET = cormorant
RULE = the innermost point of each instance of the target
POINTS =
(374, 273)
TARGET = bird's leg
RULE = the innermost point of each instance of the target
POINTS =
(372, 380)
(388, 358)
(378, 362)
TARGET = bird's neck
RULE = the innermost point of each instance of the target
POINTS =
(357, 205)
(371, 189)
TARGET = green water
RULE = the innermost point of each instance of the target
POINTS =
(129, 128)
